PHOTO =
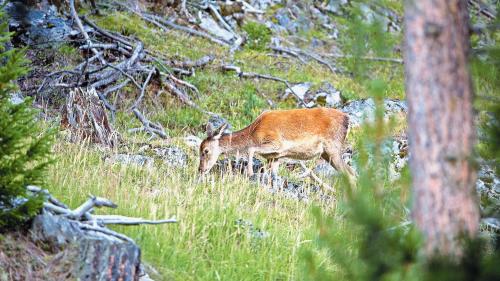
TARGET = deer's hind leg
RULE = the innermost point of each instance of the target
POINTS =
(333, 155)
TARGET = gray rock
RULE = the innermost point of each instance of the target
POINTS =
(301, 22)
(211, 26)
(325, 170)
(300, 90)
(359, 110)
(364, 110)
(328, 96)
(488, 182)
(38, 28)
(337, 6)
(216, 121)
(172, 156)
(264, 4)
(16, 98)
(252, 231)
(131, 159)
(237, 165)
(94, 256)
(56, 231)
(491, 223)
(192, 141)
(399, 157)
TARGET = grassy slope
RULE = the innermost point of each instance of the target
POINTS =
(206, 244)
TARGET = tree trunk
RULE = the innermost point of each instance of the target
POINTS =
(441, 129)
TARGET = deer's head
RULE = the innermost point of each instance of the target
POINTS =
(210, 148)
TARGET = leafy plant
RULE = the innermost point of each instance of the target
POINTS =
(259, 36)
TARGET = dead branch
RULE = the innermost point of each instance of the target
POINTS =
(50, 198)
(115, 88)
(105, 231)
(82, 30)
(150, 127)
(313, 176)
(143, 89)
(288, 52)
(189, 63)
(298, 53)
(184, 83)
(165, 24)
(482, 8)
(122, 220)
(242, 74)
(183, 97)
(86, 221)
(121, 68)
(107, 33)
(338, 56)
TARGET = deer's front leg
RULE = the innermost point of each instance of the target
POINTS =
(251, 153)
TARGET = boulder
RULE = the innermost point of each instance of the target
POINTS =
(252, 231)
(16, 98)
(131, 159)
(172, 156)
(328, 96)
(192, 141)
(216, 121)
(237, 165)
(325, 170)
(38, 28)
(300, 90)
(208, 24)
(363, 110)
(94, 255)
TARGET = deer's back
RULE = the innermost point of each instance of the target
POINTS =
(300, 124)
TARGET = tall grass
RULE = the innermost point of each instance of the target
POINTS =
(206, 243)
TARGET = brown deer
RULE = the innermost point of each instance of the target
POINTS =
(298, 134)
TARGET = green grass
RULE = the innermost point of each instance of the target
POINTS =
(206, 243)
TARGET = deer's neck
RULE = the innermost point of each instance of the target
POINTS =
(236, 142)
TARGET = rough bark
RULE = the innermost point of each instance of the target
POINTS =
(441, 130)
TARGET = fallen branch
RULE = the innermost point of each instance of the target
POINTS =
(483, 9)
(105, 231)
(263, 76)
(86, 221)
(184, 83)
(143, 89)
(394, 60)
(79, 212)
(122, 220)
(197, 63)
(313, 176)
(78, 22)
(298, 53)
(163, 24)
(183, 97)
(152, 128)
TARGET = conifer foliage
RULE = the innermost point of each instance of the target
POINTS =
(24, 146)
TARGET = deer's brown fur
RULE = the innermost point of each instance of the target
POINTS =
(298, 134)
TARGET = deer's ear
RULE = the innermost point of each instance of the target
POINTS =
(218, 133)
(210, 130)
